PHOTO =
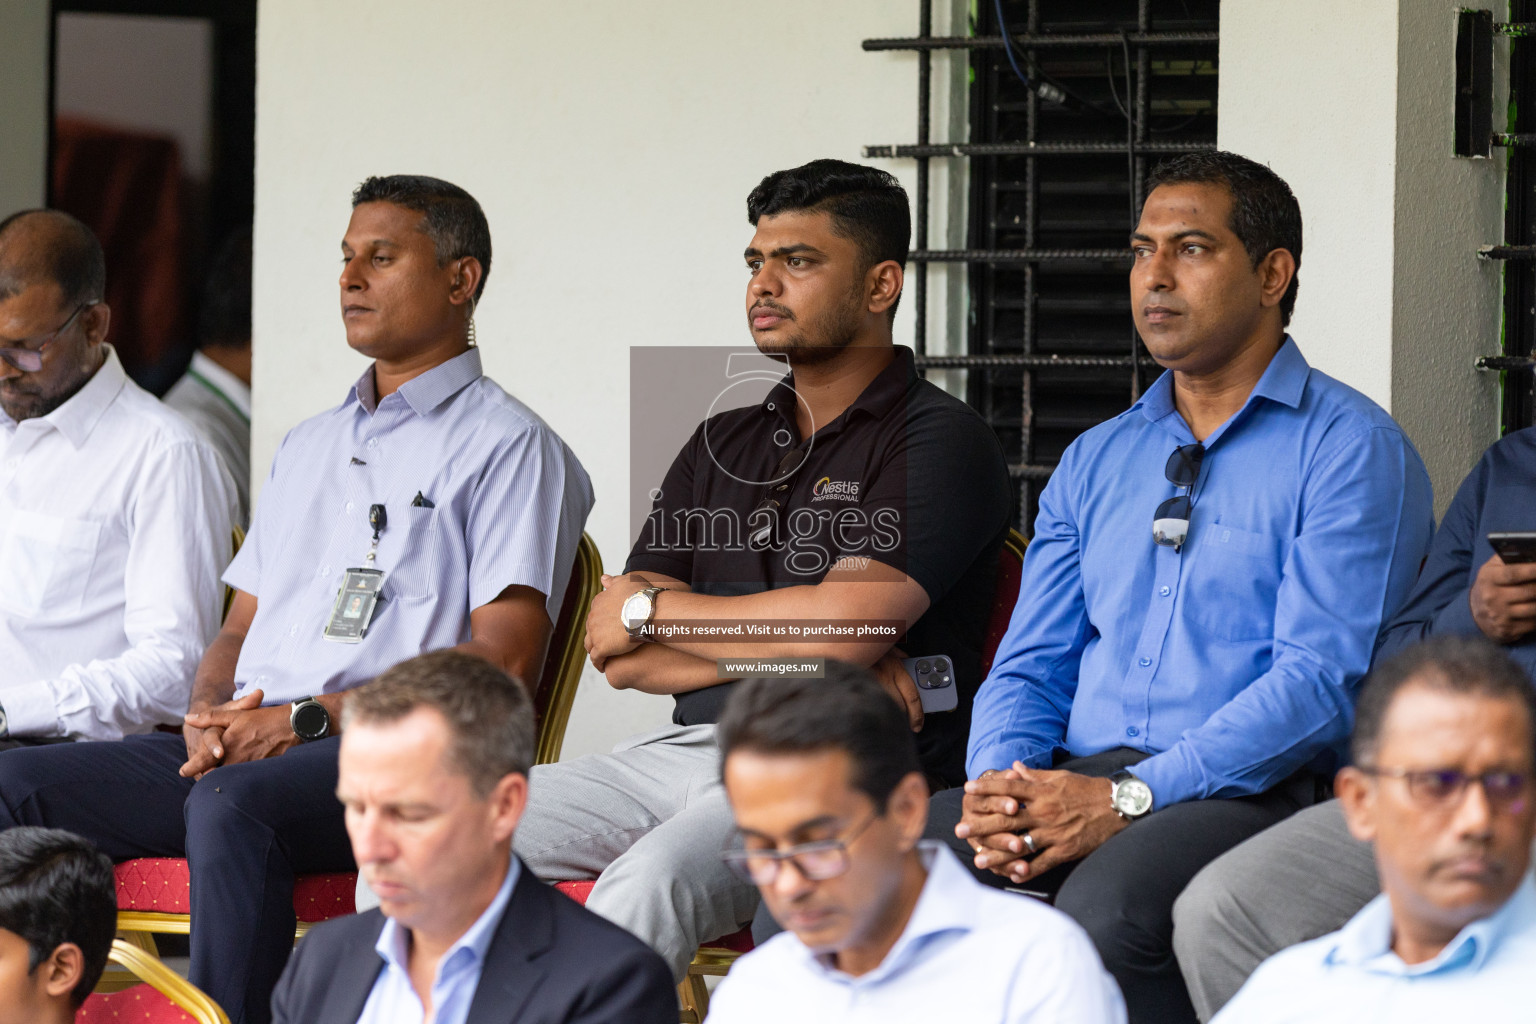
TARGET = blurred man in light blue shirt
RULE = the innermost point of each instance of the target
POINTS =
(829, 799)
(1444, 751)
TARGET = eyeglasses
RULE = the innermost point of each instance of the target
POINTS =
(1443, 787)
(816, 862)
(30, 360)
(767, 510)
(1170, 523)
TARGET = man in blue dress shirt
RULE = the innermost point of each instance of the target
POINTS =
(1206, 583)
(1444, 750)
(429, 489)
(1314, 874)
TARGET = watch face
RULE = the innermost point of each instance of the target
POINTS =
(1132, 797)
(637, 608)
(311, 721)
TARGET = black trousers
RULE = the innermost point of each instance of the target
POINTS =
(245, 829)
(1123, 892)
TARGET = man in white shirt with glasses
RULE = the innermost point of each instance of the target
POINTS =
(830, 802)
(1443, 749)
(115, 518)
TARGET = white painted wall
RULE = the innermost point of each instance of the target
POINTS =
(1352, 105)
(1319, 105)
(612, 145)
(23, 104)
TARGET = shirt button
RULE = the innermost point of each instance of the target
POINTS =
(349, 506)
(373, 442)
(1144, 662)
(1133, 731)
(325, 570)
(293, 630)
(1165, 591)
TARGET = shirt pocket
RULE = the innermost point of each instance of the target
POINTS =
(45, 563)
(408, 554)
(1234, 583)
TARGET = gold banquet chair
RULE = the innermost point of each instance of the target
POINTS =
(161, 996)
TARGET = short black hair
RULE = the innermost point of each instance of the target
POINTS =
(451, 216)
(868, 206)
(225, 317)
(72, 258)
(55, 888)
(846, 710)
(1469, 665)
(1265, 213)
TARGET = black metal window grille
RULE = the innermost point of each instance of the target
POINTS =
(1518, 404)
(1057, 171)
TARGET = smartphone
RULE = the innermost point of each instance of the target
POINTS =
(935, 679)
(1514, 548)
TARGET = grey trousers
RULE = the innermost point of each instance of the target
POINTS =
(648, 821)
(1292, 882)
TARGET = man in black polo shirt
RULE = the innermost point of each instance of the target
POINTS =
(855, 493)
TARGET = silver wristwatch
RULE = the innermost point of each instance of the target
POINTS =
(1131, 798)
(637, 612)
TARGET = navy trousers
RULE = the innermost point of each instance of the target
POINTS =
(1123, 892)
(245, 829)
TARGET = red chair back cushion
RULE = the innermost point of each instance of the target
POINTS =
(1010, 569)
(139, 1004)
(162, 885)
(740, 942)
(564, 623)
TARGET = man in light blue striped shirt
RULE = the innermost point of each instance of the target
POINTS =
(469, 505)
(1444, 751)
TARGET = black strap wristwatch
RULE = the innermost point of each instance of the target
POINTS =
(309, 719)
(1129, 796)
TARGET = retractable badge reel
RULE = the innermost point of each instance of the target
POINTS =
(359, 593)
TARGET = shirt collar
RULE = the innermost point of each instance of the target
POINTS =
(391, 944)
(223, 383)
(942, 907)
(1366, 941)
(1284, 381)
(877, 398)
(425, 391)
(78, 416)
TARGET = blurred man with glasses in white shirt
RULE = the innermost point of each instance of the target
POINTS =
(1444, 749)
(115, 518)
(830, 802)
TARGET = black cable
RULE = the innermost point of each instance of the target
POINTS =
(1130, 192)
(1130, 135)
(1048, 91)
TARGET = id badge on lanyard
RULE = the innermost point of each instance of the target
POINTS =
(358, 595)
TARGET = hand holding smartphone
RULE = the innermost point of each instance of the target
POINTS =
(935, 679)
(1514, 548)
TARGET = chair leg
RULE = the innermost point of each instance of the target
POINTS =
(141, 940)
(693, 998)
